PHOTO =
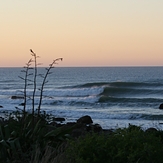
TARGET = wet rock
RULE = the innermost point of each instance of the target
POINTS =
(161, 106)
(59, 119)
(17, 97)
(22, 104)
(1, 106)
(85, 120)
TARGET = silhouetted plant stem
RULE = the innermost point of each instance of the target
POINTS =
(34, 80)
(26, 83)
(44, 82)
(34, 83)
(26, 71)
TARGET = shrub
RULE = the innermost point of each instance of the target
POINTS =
(129, 145)
(20, 140)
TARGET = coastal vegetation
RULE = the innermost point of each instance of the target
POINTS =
(128, 145)
(50, 142)
(38, 137)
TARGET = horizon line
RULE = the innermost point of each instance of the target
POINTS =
(83, 66)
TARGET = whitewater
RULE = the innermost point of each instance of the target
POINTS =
(113, 96)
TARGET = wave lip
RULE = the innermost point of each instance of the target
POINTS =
(109, 93)
(127, 93)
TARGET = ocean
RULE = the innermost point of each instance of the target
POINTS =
(113, 96)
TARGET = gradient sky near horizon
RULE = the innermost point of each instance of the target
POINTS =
(83, 32)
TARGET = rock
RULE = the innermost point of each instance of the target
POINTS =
(22, 104)
(94, 127)
(161, 106)
(85, 120)
(59, 119)
(71, 123)
(151, 129)
(17, 97)
(53, 123)
(1, 106)
(108, 131)
(78, 132)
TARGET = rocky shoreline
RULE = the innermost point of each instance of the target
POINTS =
(85, 125)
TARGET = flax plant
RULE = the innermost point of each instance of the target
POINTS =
(45, 81)
(26, 80)
(34, 79)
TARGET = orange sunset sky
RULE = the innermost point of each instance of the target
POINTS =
(83, 32)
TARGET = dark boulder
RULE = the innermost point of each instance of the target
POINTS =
(1, 106)
(94, 127)
(78, 132)
(85, 120)
(151, 129)
(59, 119)
(53, 123)
(161, 106)
(17, 97)
(22, 104)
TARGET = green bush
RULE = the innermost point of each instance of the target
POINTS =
(129, 145)
(21, 139)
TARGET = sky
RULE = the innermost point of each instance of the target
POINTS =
(82, 32)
